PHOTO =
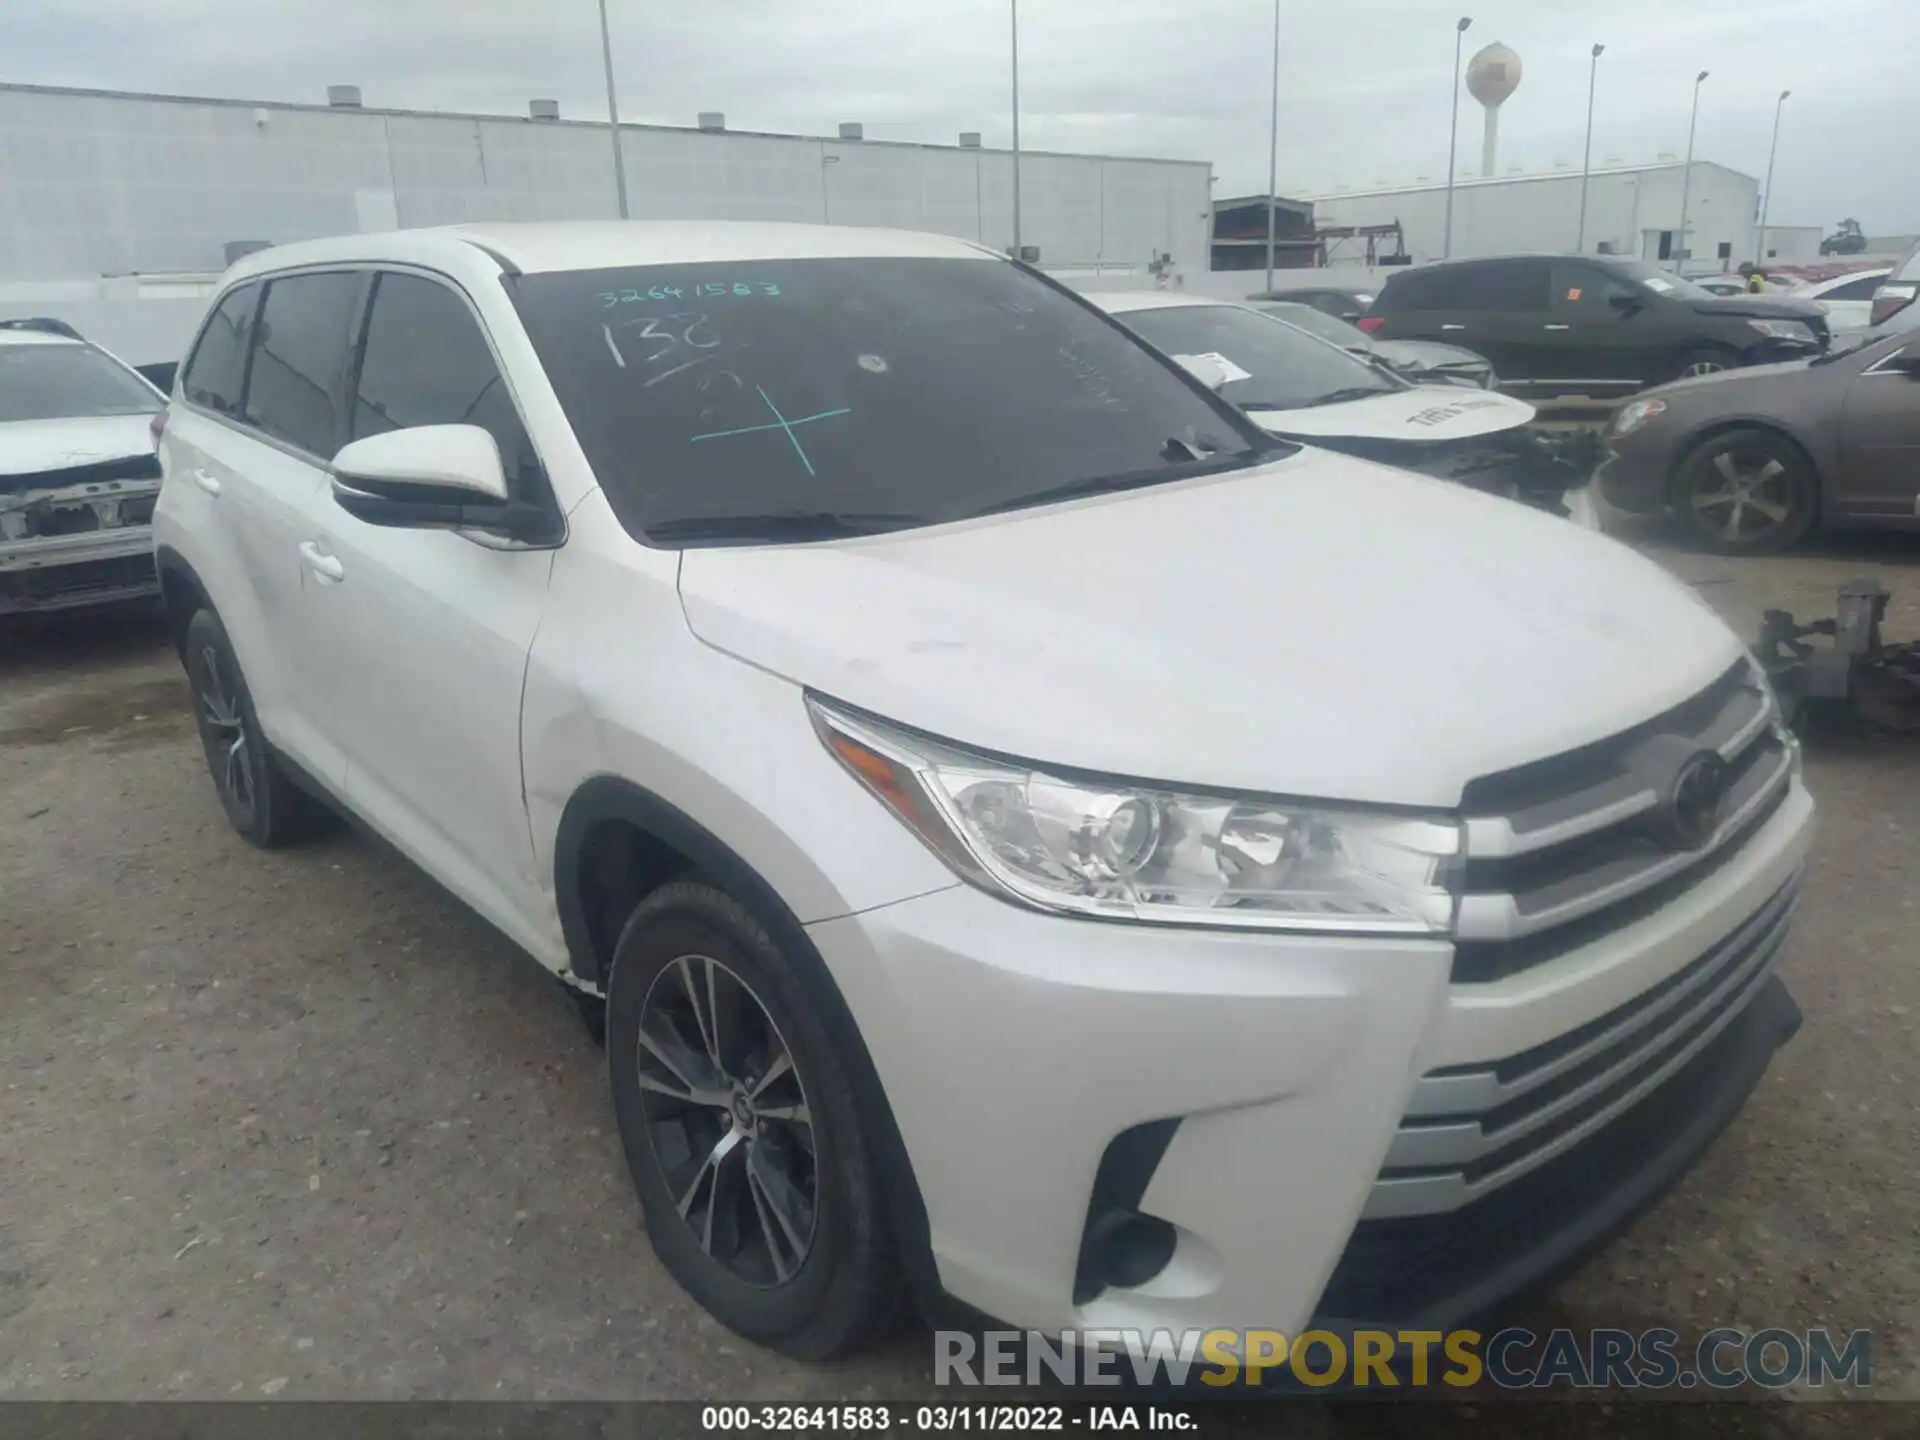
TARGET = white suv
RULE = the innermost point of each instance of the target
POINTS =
(1040, 839)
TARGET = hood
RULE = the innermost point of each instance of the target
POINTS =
(1759, 307)
(1421, 412)
(28, 447)
(1319, 626)
(1722, 380)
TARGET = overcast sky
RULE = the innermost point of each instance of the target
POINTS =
(1364, 83)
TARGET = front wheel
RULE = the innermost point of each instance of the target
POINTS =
(741, 1131)
(1747, 492)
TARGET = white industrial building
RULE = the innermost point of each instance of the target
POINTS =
(116, 208)
(1631, 210)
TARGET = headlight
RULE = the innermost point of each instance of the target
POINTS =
(1631, 416)
(1120, 851)
(1782, 329)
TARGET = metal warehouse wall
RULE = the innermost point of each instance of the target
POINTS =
(97, 184)
(1542, 213)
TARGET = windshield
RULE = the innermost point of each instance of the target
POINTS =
(59, 382)
(1318, 322)
(1283, 368)
(1662, 282)
(882, 393)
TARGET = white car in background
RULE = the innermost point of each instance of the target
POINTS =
(78, 476)
(1299, 386)
(1848, 298)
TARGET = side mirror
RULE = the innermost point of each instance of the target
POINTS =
(1626, 304)
(431, 477)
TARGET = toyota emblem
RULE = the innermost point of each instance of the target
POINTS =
(1690, 812)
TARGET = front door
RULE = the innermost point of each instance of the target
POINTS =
(1880, 438)
(429, 630)
(1601, 336)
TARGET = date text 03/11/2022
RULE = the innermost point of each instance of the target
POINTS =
(940, 1419)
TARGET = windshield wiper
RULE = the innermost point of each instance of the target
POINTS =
(1205, 464)
(789, 526)
(1345, 392)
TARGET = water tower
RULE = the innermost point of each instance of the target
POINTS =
(1492, 77)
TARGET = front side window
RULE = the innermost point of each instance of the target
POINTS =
(215, 374)
(426, 363)
(300, 359)
(1856, 289)
(1281, 368)
(57, 382)
(714, 400)
(1585, 290)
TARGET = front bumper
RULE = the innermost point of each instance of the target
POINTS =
(1634, 481)
(59, 572)
(1015, 1049)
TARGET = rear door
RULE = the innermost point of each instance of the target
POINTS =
(1589, 344)
(427, 632)
(1880, 438)
(1504, 309)
(252, 455)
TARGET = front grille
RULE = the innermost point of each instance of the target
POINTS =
(1454, 1267)
(1563, 850)
(1470, 1129)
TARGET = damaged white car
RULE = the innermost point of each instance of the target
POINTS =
(78, 473)
(1301, 387)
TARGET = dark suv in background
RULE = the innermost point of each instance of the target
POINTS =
(1556, 325)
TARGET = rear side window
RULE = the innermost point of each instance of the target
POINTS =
(427, 363)
(901, 391)
(300, 359)
(1856, 289)
(1420, 290)
(215, 374)
(1512, 285)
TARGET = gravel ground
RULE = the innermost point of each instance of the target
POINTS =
(298, 1124)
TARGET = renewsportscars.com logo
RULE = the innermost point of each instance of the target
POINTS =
(1512, 1359)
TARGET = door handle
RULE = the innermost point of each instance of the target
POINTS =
(326, 566)
(1556, 327)
(1453, 327)
(207, 481)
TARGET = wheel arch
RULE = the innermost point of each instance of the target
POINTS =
(666, 835)
(182, 592)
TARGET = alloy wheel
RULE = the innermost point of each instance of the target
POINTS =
(223, 728)
(727, 1118)
(1753, 495)
(1704, 367)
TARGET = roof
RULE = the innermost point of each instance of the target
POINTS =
(626, 126)
(34, 337)
(538, 247)
(1470, 182)
(1279, 202)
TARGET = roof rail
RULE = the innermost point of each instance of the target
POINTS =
(45, 324)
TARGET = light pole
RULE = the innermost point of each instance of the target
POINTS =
(1686, 179)
(1273, 143)
(613, 113)
(1014, 6)
(1766, 197)
(1453, 128)
(1586, 159)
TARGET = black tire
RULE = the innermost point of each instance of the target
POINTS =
(1750, 491)
(267, 809)
(715, 1233)
(1705, 362)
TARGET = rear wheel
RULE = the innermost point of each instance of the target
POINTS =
(1747, 492)
(261, 803)
(760, 1188)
